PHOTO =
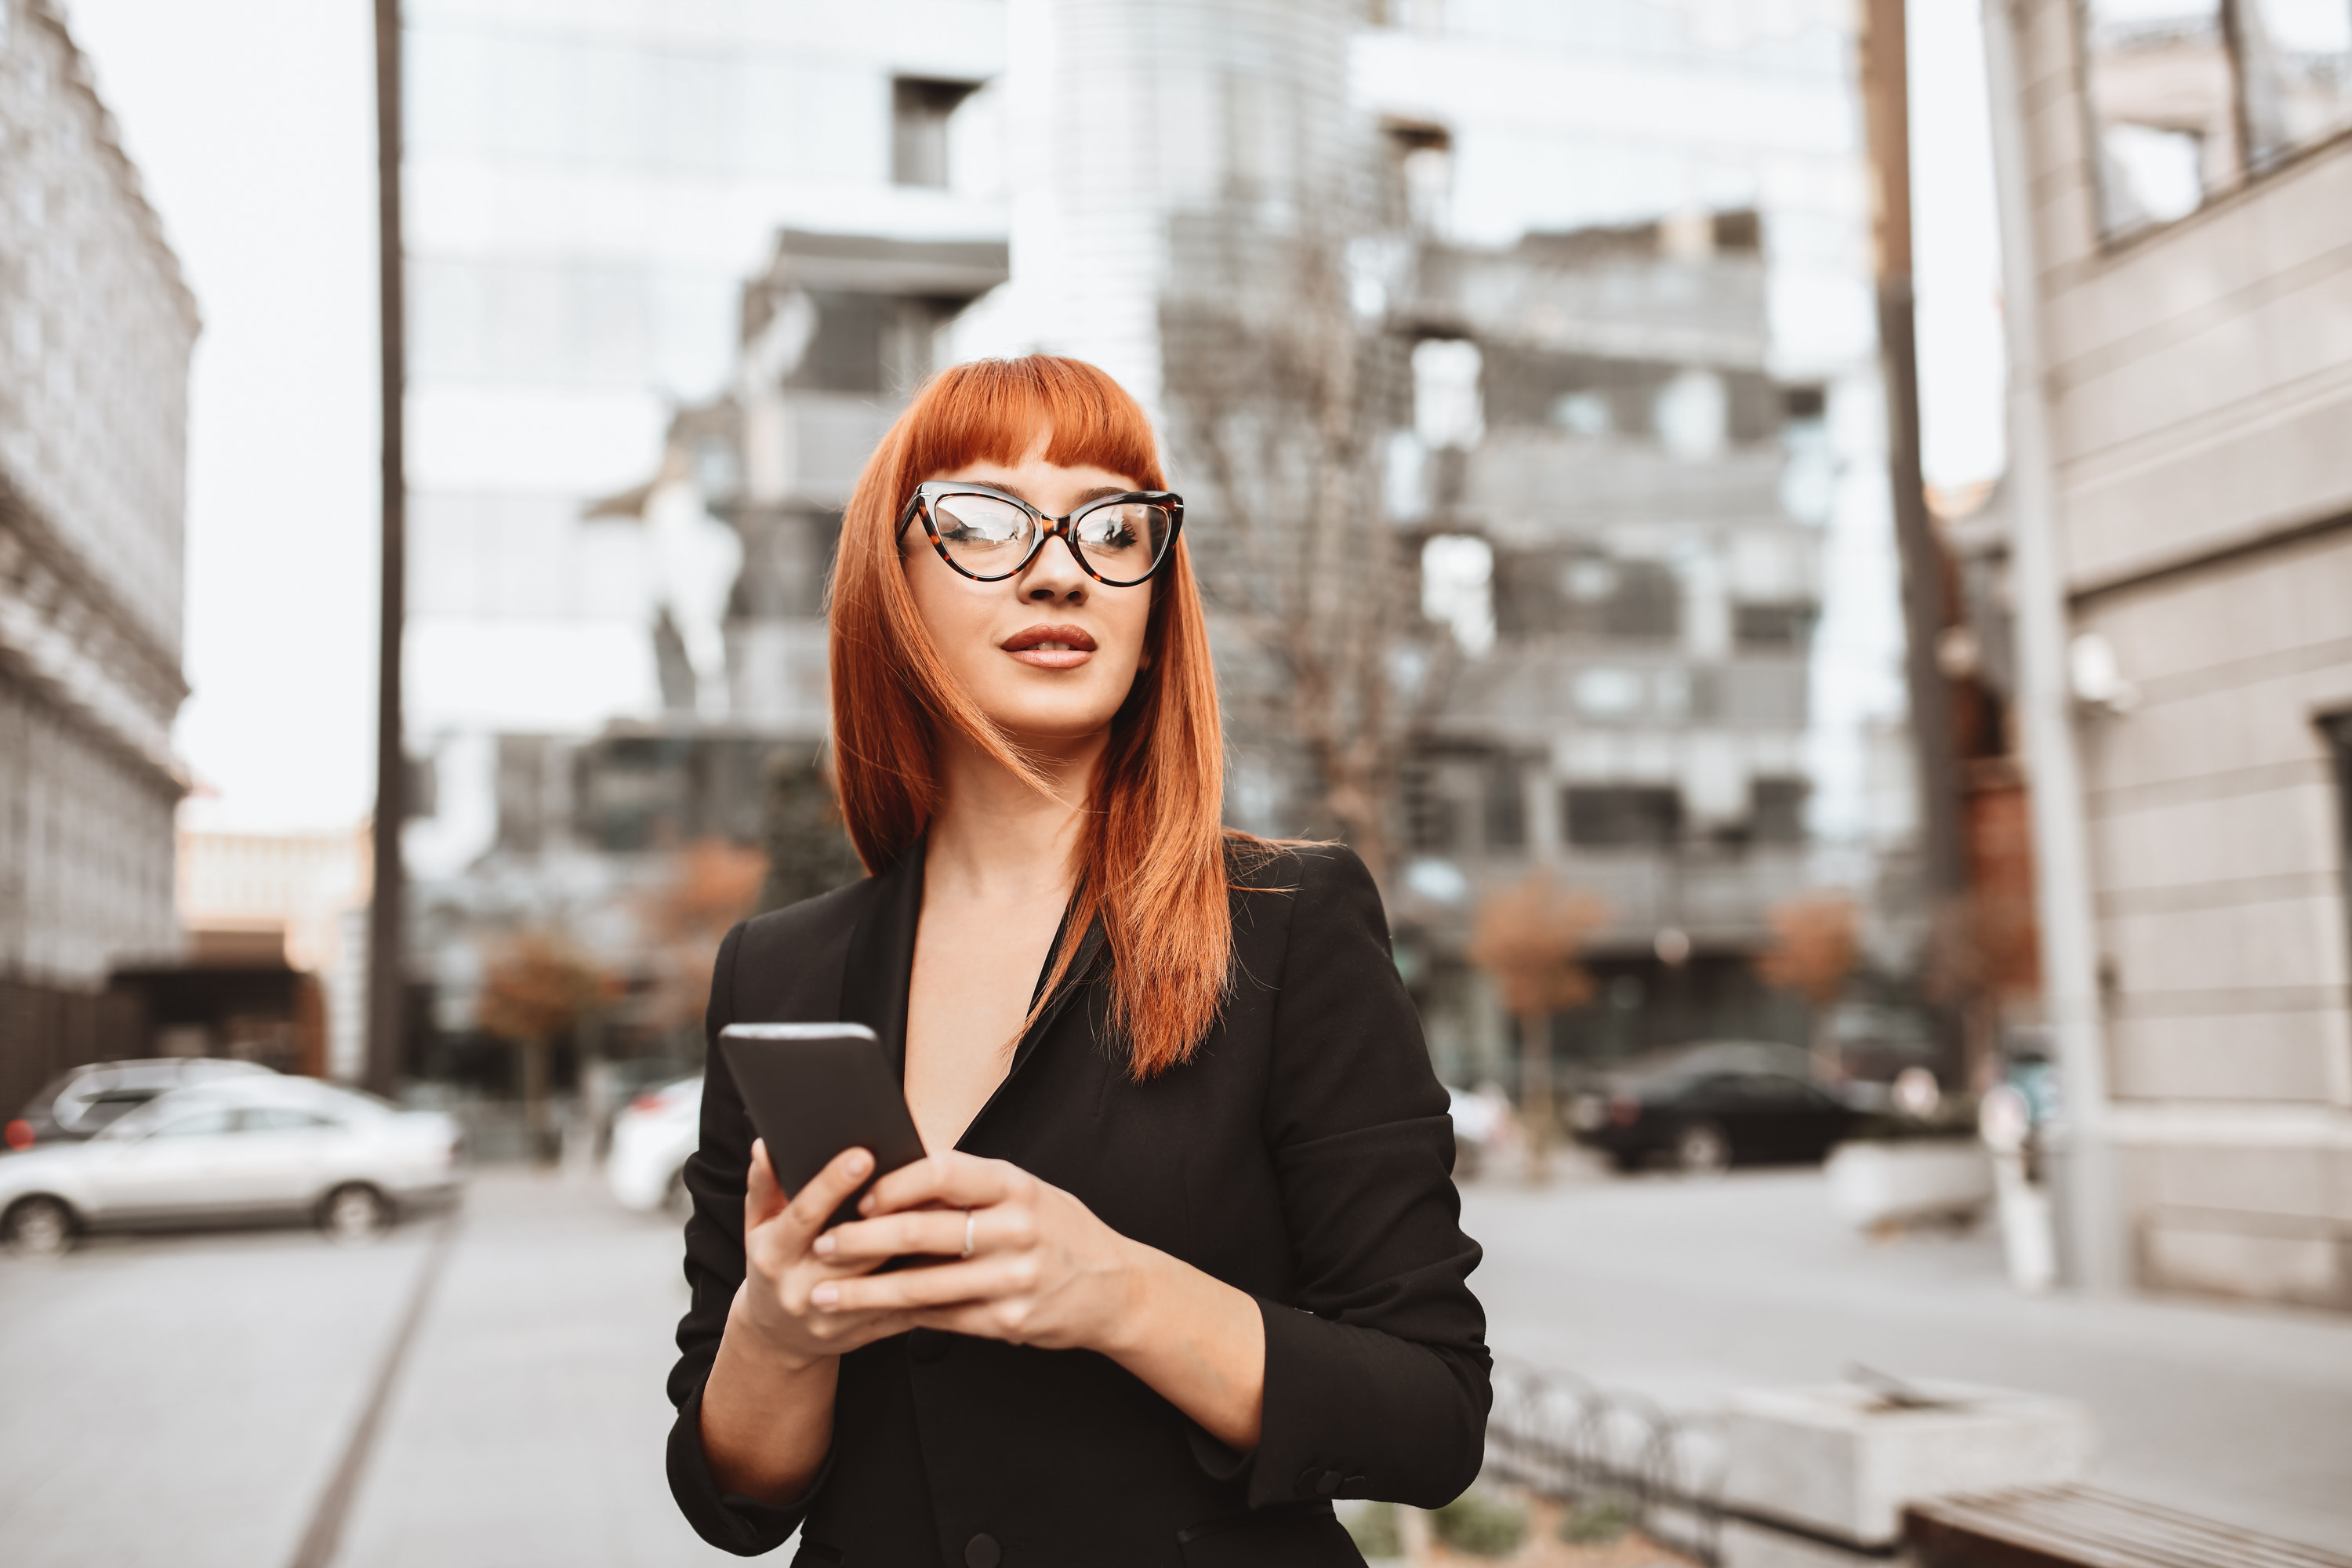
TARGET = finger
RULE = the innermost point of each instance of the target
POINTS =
(814, 1203)
(942, 1232)
(952, 1178)
(943, 1284)
(761, 1194)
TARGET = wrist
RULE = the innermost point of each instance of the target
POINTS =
(1140, 1275)
(754, 1339)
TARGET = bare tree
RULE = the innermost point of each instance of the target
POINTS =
(712, 884)
(1815, 947)
(1525, 940)
(1280, 397)
(539, 988)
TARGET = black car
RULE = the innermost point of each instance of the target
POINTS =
(85, 1101)
(1706, 1118)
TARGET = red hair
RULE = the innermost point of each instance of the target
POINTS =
(1152, 848)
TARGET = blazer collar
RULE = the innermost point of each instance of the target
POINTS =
(880, 964)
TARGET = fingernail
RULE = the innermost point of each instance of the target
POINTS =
(860, 1161)
(825, 1295)
(825, 1245)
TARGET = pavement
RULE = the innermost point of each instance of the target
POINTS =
(1684, 1291)
(189, 1400)
(193, 1400)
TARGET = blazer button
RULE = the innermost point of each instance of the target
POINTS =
(1313, 1482)
(982, 1552)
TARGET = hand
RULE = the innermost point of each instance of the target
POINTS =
(1043, 1269)
(783, 1271)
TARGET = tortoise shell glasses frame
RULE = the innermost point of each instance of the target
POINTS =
(995, 534)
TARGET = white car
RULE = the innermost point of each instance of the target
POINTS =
(651, 1139)
(257, 1148)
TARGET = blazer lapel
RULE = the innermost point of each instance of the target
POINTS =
(881, 958)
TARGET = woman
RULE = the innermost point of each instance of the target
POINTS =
(1191, 1259)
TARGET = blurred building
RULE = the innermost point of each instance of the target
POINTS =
(1605, 531)
(96, 327)
(634, 416)
(675, 269)
(2190, 187)
(1612, 381)
(289, 903)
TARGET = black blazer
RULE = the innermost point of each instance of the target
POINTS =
(1304, 1155)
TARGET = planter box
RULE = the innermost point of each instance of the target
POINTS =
(1895, 1183)
(1839, 1463)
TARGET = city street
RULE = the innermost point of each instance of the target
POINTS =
(190, 1400)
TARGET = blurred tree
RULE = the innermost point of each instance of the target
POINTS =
(711, 884)
(1981, 956)
(1526, 939)
(1278, 395)
(538, 989)
(1815, 944)
(808, 850)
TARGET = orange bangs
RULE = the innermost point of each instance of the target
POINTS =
(1151, 864)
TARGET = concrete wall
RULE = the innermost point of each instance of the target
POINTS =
(2200, 385)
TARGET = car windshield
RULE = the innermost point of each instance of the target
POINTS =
(103, 1108)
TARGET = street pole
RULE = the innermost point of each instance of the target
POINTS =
(2084, 1165)
(386, 1012)
(1887, 111)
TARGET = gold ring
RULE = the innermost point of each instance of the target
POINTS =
(967, 1233)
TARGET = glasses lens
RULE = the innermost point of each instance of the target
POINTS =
(1125, 540)
(985, 536)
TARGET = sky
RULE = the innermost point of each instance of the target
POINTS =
(252, 123)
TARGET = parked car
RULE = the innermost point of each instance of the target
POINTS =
(239, 1148)
(651, 1139)
(1709, 1115)
(86, 1102)
(1484, 1127)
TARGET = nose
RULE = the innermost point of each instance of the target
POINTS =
(1053, 576)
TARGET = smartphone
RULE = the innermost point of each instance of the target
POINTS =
(814, 1090)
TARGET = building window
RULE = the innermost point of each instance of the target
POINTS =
(1611, 817)
(1506, 808)
(1776, 810)
(2189, 98)
(1543, 591)
(2337, 730)
(1420, 169)
(920, 107)
(1768, 628)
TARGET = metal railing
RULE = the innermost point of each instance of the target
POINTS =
(1564, 1439)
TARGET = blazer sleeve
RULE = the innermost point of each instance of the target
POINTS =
(717, 1175)
(1378, 1378)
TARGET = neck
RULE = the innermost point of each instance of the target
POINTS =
(996, 837)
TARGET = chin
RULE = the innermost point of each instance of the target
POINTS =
(1052, 721)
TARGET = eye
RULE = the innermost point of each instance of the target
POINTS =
(979, 523)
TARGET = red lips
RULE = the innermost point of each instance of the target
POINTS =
(1075, 638)
(1072, 646)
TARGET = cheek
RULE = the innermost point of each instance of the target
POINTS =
(957, 617)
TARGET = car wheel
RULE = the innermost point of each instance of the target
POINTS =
(40, 1228)
(1702, 1150)
(354, 1212)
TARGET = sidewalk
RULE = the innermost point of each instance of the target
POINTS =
(527, 1424)
(1684, 1291)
